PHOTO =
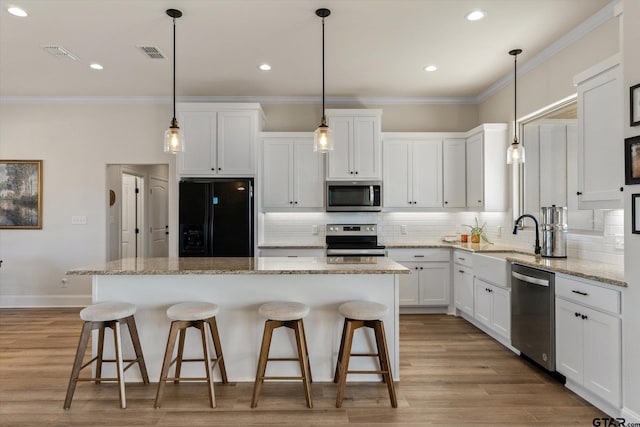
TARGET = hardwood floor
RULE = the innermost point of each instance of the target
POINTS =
(451, 374)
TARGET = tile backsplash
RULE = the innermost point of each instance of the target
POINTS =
(297, 228)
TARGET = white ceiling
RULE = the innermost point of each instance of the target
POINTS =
(374, 48)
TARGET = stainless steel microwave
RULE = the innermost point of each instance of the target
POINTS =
(354, 196)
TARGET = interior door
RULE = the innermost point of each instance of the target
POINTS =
(128, 230)
(158, 217)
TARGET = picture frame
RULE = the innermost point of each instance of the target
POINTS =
(21, 194)
(634, 104)
(635, 213)
(632, 160)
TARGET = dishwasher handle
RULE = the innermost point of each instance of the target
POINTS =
(529, 279)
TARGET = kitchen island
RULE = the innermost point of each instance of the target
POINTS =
(239, 286)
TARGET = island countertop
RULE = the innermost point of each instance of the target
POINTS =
(242, 265)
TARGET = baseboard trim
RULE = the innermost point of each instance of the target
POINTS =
(44, 301)
(593, 399)
(630, 416)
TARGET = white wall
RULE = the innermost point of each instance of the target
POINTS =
(75, 142)
(631, 320)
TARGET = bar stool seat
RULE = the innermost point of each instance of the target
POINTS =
(185, 315)
(101, 316)
(287, 314)
(360, 314)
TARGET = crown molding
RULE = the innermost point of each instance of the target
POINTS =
(593, 22)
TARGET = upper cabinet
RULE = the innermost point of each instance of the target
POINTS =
(600, 138)
(220, 139)
(412, 172)
(453, 172)
(357, 153)
(293, 174)
(487, 168)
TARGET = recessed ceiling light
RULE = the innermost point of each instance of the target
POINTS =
(264, 67)
(430, 68)
(475, 15)
(96, 66)
(16, 11)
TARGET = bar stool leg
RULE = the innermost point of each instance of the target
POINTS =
(336, 376)
(135, 339)
(304, 339)
(119, 364)
(77, 364)
(171, 342)
(207, 363)
(99, 355)
(262, 361)
(304, 361)
(217, 345)
(181, 337)
(383, 355)
(343, 364)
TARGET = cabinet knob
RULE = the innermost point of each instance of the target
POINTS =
(421, 268)
(213, 169)
(219, 169)
(291, 202)
(579, 193)
(356, 172)
(584, 316)
(416, 268)
(479, 201)
(445, 202)
(621, 188)
(577, 314)
(351, 172)
(295, 203)
(461, 271)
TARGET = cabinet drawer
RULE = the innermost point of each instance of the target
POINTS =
(463, 258)
(420, 255)
(587, 294)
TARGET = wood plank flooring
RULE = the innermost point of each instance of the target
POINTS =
(452, 374)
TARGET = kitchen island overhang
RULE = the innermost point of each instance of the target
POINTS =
(239, 286)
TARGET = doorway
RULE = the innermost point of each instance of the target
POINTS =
(137, 211)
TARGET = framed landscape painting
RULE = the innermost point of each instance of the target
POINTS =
(20, 194)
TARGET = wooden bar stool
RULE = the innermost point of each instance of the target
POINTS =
(360, 314)
(198, 315)
(289, 315)
(100, 316)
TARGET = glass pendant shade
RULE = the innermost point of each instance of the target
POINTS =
(515, 153)
(173, 138)
(323, 139)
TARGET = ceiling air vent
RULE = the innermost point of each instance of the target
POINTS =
(59, 52)
(152, 52)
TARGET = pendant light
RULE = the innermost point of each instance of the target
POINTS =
(174, 137)
(323, 138)
(515, 152)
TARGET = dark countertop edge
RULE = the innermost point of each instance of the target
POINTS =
(233, 272)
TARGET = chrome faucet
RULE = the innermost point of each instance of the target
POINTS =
(515, 230)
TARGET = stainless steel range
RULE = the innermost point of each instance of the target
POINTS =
(353, 240)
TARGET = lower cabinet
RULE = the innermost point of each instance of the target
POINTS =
(588, 338)
(428, 284)
(493, 307)
(463, 288)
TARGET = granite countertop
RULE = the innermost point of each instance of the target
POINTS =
(228, 265)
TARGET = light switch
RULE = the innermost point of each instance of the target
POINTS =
(79, 220)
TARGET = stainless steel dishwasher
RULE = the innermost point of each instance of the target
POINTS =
(533, 314)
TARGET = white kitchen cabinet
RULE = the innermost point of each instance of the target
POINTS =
(486, 168)
(454, 173)
(588, 338)
(412, 173)
(220, 139)
(600, 136)
(293, 174)
(463, 281)
(428, 284)
(492, 306)
(357, 153)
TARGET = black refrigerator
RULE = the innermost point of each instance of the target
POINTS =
(216, 217)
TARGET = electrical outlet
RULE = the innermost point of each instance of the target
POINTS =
(314, 229)
(78, 220)
(499, 231)
(618, 242)
(403, 230)
(64, 282)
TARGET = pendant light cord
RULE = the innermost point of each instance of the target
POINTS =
(515, 98)
(174, 69)
(323, 114)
